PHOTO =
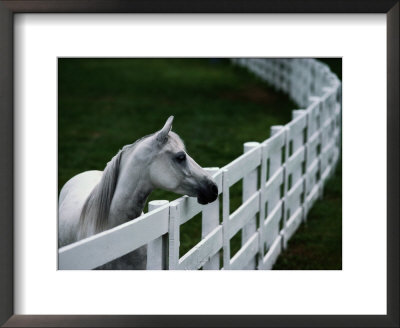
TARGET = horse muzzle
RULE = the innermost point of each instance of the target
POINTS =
(207, 193)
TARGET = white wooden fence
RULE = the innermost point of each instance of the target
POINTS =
(282, 178)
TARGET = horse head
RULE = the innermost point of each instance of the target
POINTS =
(171, 167)
(94, 201)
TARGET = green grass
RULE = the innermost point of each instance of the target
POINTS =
(107, 103)
(317, 245)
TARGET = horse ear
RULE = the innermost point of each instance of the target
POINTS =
(163, 133)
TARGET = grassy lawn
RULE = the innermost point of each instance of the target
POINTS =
(107, 103)
(317, 245)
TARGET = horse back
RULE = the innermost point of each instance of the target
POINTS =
(71, 200)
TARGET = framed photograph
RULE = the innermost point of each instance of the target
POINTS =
(200, 152)
(67, 65)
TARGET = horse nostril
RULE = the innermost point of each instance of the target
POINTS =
(214, 189)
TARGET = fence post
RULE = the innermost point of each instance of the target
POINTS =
(250, 184)
(174, 235)
(157, 249)
(210, 220)
(225, 220)
(261, 213)
(296, 113)
(275, 129)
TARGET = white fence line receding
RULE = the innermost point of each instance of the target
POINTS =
(282, 178)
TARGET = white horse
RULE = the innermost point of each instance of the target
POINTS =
(94, 201)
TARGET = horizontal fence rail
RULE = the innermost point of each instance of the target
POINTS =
(282, 177)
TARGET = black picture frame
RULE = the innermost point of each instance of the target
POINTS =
(7, 10)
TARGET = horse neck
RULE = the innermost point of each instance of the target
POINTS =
(133, 188)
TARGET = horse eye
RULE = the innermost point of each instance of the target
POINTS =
(181, 157)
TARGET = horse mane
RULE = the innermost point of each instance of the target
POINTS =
(97, 205)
